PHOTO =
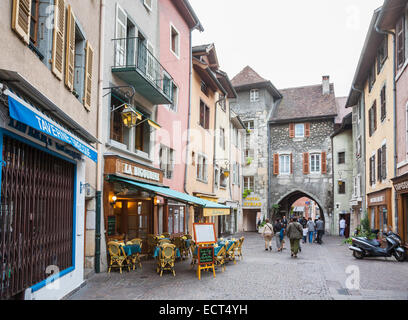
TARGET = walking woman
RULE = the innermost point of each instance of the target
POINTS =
(268, 234)
(294, 233)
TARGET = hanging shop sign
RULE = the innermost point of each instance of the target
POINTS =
(212, 212)
(252, 202)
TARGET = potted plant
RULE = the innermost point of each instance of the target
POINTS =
(249, 161)
(246, 193)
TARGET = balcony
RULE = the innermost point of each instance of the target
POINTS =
(137, 66)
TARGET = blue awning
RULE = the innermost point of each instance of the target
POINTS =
(23, 112)
(169, 193)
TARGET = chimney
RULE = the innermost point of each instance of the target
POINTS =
(326, 85)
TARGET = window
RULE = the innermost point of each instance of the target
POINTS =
(400, 31)
(382, 54)
(358, 148)
(372, 114)
(382, 163)
(250, 125)
(204, 115)
(383, 103)
(176, 219)
(315, 163)
(341, 157)
(79, 64)
(216, 177)
(119, 132)
(202, 164)
(299, 130)
(174, 41)
(372, 170)
(342, 187)
(249, 183)
(204, 88)
(222, 138)
(254, 95)
(121, 33)
(371, 78)
(356, 187)
(284, 164)
(174, 97)
(166, 157)
(34, 23)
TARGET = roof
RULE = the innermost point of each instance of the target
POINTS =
(391, 11)
(248, 79)
(187, 11)
(247, 76)
(209, 51)
(367, 59)
(305, 103)
(341, 109)
(346, 124)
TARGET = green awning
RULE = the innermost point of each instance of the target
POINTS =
(169, 193)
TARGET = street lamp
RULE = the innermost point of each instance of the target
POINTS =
(130, 116)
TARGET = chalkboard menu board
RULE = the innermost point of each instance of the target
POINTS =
(111, 225)
(205, 255)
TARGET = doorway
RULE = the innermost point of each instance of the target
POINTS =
(250, 220)
(346, 217)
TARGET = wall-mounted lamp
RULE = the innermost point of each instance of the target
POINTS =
(114, 199)
(130, 116)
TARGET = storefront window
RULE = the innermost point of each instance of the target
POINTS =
(384, 219)
(372, 218)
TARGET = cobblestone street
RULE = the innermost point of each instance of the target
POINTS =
(318, 274)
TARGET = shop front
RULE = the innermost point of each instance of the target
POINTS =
(42, 198)
(401, 188)
(137, 204)
(380, 210)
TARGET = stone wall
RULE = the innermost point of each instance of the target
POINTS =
(319, 187)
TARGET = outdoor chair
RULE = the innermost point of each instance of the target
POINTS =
(167, 258)
(118, 257)
(230, 256)
(151, 243)
(135, 258)
(181, 245)
(238, 248)
(220, 258)
(163, 241)
(166, 235)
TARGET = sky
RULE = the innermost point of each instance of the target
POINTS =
(292, 43)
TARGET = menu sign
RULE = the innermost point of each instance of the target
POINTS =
(205, 255)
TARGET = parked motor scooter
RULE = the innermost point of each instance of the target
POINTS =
(363, 247)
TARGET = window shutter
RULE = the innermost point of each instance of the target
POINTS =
(21, 19)
(58, 39)
(379, 163)
(291, 130)
(324, 162)
(88, 76)
(291, 163)
(375, 116)
(307, 129)
(276, 164)
(70, 47)
(306, 169)
(384, 162)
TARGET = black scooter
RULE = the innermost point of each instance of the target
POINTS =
(363, 247)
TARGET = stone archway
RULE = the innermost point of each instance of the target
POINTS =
(291, 197)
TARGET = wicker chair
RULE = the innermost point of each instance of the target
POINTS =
(167, 258)
(166, 235)
(163, 241)
(118, 257)
(151, 243)
(230, 255)
(238, 248)
(220, 258)
(135, 258)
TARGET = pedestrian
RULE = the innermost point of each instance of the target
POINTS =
(305, 232)
(259, 224)
(294, 233)
(267, 235)
(320, 230)
(277, 229)
(315, 232)
(343, 225)
(311, 229)
(284, 222)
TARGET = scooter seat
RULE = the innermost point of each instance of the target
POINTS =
(374, 242)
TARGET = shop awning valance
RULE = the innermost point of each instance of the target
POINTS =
(175, 195)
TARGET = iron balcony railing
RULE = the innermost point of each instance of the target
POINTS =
(131, 53)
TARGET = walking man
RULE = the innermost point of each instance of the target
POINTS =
(320, 230)
(277, 229)
(311, 229)
(342, 226)
(294, 233)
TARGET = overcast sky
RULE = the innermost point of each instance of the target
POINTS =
(290, 42)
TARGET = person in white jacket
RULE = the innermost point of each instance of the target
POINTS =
(268, 235)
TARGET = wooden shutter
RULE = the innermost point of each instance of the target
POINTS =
(20, 22)
(88, 76)
(375, 115)
(70, 47)
(379, 163)
(291, 130)
(324, 162)
(291, 163)
(307, 129)
(58, 39)
(306, 168)
(276, 164)
(384, 162)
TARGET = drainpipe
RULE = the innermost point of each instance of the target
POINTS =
(197, 26)
(99, 173)
(386, 32)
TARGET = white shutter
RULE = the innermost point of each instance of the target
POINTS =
(121, 34)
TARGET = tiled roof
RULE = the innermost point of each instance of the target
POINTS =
(247, 76)
(305, 102)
